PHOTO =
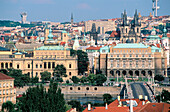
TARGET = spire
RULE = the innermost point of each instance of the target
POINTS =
(93, 28)
(136, 18)
(71, 19)
(124, 17)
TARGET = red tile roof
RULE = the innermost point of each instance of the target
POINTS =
(93, 48)
(115, 34)
(168, 34)
(4, 77)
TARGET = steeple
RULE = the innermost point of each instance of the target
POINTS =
(50, 36)
(136, 18)
(71, 19)
(76, 43)
(124, 17)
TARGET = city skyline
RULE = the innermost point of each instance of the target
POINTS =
(60, 11)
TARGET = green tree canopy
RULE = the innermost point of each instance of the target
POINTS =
(83, 79)
(45, 76)
(37, 99)
(7, 107)
(75, 79)
(60, 71)
(91, 78)
(100, 79)
(107, 98)
(82, 60)
(159, 78)
(76, 104)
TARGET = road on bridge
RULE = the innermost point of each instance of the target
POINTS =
(139, 89)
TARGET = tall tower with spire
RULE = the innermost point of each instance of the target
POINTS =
(71, 19)
(93, 33)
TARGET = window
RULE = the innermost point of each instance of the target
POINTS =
(95, 88)
(10, 98)
(156, 50)
(124, 63)
(0, 85)
(136, 63)
(149, 63)
(10, 65)
(117, 55)
(149, 55)
(130, 63)
(4, 85)
(70, 73)
(0, 92)
(3, 92)
(36, 74)
(143, 55)
(130, 55)
(71, 88)
(0, 102)
(136, 55)
(45, 65)
(40, 65)
(11, 91)
(124, 55)
(11, 84)
(28, 65)
(7, 92)
(36, 65)
(3, 99)
(69, 65)
(2, 65)
(14, 91)
(143, 63)
(6, 65)
(18, 66)
(78, 88)
(87, 88)
(117, 63)
(49, 65)
(53, 65)
(103, 51)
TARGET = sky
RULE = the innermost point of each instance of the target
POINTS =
(83, 10)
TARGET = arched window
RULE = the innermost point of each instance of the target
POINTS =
(53, 65)
(126, 30)
(137, 30)
(49, 65)
(69, 65)
(45, 65)
(2, 65)
(70, 73)
(10, 65)
(18, 66)
(28, 65)
(6, 65)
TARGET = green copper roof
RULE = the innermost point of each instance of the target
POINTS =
(50, 48)
(131, 45)
(17, 53)
(155, 49)
(64, 31)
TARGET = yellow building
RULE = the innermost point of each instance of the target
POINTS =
(7, 90)
(132, 60)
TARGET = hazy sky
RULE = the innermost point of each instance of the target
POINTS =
(60, 10)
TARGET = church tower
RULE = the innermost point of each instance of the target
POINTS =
(93, 33)
(46, 31)
(71, 19)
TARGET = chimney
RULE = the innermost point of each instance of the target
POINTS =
(106, 106)
(140, 97)
(146, 98)
(131, 105)
(143, 102)
(89, 107)
(118, 98)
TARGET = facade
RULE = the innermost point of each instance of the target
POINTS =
(132, 60)
(7, 90)
(102, 26)
(44, 58)
(153, 38)
(130, 31)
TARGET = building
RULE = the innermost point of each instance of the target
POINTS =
(93, 33)
(130, 105)
(130, 31)
(7, 90)
(102, 26)
(44, 58)
(132, 59)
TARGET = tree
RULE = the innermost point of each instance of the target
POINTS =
(37, 99)
(75, 79)
(91, 78)
(60, 71)
(83, 79)
(76, 104)
(100, 79)
(107, 98)
(82, 60)
(7, 107)
(34, 79)
(159, 78)
(20, 79)
(45, 76)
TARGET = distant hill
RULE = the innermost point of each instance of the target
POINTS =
(8, 23)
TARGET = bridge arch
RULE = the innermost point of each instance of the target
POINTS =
(131, 73)
(118, 72)
(143, 72)
(150, 73)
